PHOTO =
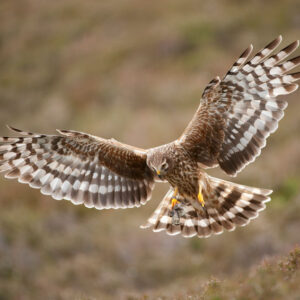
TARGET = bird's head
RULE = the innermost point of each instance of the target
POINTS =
(158, 163)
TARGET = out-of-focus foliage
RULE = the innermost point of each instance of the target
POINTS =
(276, 278)
(135, 70)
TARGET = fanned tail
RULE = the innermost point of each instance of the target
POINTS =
(226, 205)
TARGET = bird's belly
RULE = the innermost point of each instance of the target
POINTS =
(187, 185)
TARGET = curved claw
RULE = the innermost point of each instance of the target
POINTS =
(200, 196)
(200, 199)
(174, 202)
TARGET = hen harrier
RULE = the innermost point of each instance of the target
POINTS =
(229, 129)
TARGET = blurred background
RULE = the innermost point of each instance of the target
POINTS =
(135, 70)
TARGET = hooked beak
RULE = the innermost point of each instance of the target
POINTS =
(158, 174)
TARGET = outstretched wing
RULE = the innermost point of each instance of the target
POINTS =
(238, 113)
(78, 167)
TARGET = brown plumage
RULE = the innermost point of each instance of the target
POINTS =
(229, 129)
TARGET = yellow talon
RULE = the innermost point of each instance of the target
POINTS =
(200, 199)
(174, 202)
(200, 196)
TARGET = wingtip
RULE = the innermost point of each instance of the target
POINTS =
(22, 132)
(268, 192)
(292, 88)
(145, 226)
(247, 52)
(13, 128)
(295, 44)
(275, 43)
(65, 132)
(60, 131)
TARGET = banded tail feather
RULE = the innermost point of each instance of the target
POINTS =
(227, 205)
(74, 173)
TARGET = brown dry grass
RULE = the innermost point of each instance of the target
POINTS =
(135, 71)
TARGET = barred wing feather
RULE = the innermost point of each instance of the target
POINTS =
(238, 113)
(78, 167)
(255, 110)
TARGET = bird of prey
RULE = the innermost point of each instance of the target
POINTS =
(235, 116)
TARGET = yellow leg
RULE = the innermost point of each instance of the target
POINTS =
(200, 196)
(174, 200)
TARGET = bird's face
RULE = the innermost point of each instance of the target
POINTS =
(159, 164)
